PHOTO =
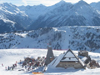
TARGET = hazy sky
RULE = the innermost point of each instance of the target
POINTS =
(44, 2)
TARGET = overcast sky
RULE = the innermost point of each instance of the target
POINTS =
(44, 2)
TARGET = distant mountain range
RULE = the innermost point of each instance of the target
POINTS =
(79, 14)
(19, 18)
(12, 19)
(73, 37)
(96, 5)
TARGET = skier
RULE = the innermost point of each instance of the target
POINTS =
(16, 62)
(15, 65)
(20, 61)
(8, 68)
(25, 66)
(5, 68)
(2, 65)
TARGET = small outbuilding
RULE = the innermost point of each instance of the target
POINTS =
(83, 53)
(50, 55)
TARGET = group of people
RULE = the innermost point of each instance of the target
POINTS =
(28, 63)
(10, 67)
(31, 63)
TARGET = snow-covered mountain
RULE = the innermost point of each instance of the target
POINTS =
(75, 37)
(60, 14)
(96, 5)
(12, 19)
(34, 11)
(79, 14)
(7, 25)
(39, 10)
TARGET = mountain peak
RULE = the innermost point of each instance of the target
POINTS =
(61, 2)
(81, 2)
(7, 5)
(41, 5)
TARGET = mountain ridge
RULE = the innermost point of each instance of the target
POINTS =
(10, 13)
(75, 15)
(96, 5)
(39, 16)
(73, 37)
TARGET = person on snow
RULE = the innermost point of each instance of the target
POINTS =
(5, 68)
(16, 62)
(25, 66)
(2, 65)
(8, 68)
(15, 65)
(20, 61)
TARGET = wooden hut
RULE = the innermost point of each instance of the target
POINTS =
(68, 60)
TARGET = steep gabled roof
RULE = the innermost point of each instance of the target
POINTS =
(70, 56)
(66, 57)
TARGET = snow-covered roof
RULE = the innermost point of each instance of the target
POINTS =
(69, 54)
(56, 61)
(66, 57)
(69, 59)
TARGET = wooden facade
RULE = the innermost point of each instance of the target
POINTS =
(70, 64)
(70, 60)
